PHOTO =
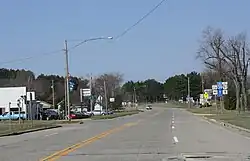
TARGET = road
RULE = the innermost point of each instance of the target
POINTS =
(159, 135)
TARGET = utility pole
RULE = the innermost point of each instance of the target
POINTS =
(202, 83)
(91, 96)
(67, 78)
(134, 100)
(189, 102)
(105, 93)
(65, 97)
(53, 93)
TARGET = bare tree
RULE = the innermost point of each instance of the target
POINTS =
(238, 54)
(229, 57)
(113, 82)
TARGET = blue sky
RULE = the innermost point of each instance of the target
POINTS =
(163, 45)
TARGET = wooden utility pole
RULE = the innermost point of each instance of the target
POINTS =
(105, 94)
(189, 100)
(91, 96)
(67, 79)
(202, 83)
(53, 93)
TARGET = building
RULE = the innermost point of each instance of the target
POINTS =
(9, 97)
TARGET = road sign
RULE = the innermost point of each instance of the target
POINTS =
(224, 92)
(206, 95)
(71, 84)
(220, 93)
(86, 92)
(214, 87)
(225, 85)
(31, 96)
(215, 92)
(111, 99)
(219, 86)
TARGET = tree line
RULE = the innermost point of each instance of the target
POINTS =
(149, 90)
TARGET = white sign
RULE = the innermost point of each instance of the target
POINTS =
(214, 87)
(224, 85)
(224, 92)
(215, 92)
(31, 96)
(86, 92)
(111, 99)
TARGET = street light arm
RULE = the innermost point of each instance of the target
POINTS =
(91, 39)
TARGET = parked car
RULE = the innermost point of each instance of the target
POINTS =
(98, 112)
(78, 115)
(49, 115)
(149, 107)
(13, 115)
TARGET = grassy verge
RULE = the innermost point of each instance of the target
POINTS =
(119, 114)
(232, 117)
(11, 127)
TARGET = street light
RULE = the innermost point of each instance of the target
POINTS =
(67, 66)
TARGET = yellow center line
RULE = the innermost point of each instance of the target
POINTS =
(66, 151)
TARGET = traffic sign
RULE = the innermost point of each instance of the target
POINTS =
(215, 92)
(86, 92)
(224, 84)
(220, 93)
(111, 99)
(214, 87)
(219, 86)
(225, 92)
(206, 95)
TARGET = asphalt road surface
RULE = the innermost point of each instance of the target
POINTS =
(159, 135)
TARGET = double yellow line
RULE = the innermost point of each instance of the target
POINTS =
(66, 151)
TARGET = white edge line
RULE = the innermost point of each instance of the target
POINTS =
(51, 134)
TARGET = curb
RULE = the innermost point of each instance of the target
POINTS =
(31, 130)
(227, 124)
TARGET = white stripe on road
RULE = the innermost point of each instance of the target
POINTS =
(51, 134)
(175, 139)
(172, 127)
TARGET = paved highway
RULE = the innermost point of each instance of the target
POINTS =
(157, 135)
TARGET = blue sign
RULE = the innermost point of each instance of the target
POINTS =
(71, 85)
(219, 86)
(220, 93)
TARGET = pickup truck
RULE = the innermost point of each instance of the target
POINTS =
(13, 116)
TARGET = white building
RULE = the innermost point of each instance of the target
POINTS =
(9, 99)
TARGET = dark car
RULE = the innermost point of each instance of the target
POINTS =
(50, 115)
(78, 115)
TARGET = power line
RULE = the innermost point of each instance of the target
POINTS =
(119, 36)
(141, 19)
(31, 57)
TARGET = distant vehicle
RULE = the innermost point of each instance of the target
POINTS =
(13, 116)
(98, 112)
(149, 107)
(78, 115)
(50, 115)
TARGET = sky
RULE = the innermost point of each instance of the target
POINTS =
(164, 44)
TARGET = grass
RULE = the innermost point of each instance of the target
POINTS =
(232, 117)
(227, 116)
(115, 115)
(10, 127)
